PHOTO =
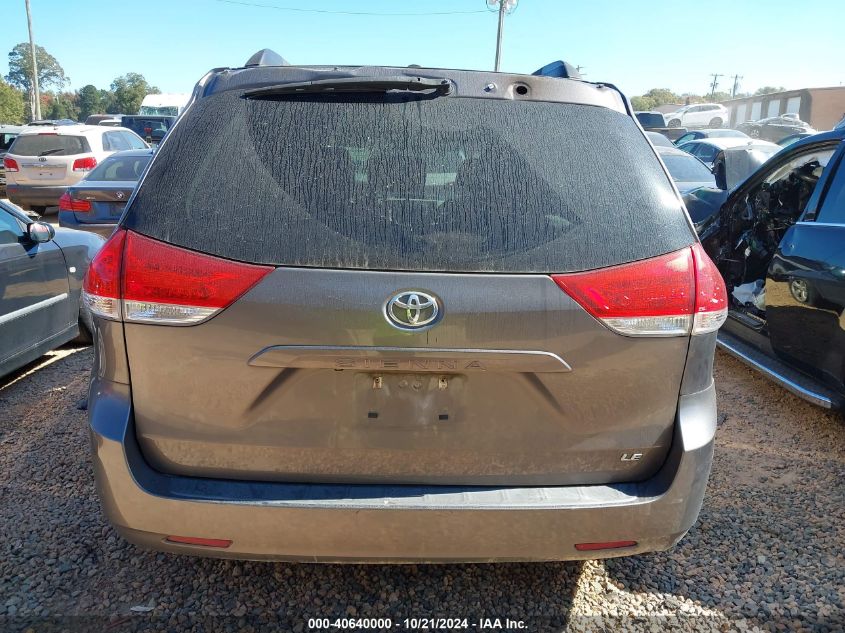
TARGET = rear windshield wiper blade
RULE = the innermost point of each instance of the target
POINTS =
(47, 152)
(356, 84)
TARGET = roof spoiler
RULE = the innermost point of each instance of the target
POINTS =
(559, 69)
(266, 57)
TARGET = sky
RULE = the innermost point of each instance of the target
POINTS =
(635, 45)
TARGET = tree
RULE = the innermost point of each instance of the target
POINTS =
(89, 101)
(12, 104)
(129, 91)
(62, 106)
(765, 90)
(653, 98)
(50, 72)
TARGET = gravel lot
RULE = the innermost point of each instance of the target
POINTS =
(766, 553)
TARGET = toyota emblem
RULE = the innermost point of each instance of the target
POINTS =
(412, 310)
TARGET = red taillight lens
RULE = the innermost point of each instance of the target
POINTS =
(68, 203)
(101, 288)
(84, 164)
(654, 297)
(589, 547)
(195, 540)
(10, 164)
(165, 284)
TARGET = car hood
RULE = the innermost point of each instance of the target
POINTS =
(703, 204)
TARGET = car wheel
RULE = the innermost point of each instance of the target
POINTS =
(674, 123)
(86, 327)
(802, 292)
(717, 122)
(754, 133)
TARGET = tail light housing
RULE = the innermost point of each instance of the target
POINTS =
(137, 279)
(677, 294)
(10, 164)
(69, 203)
(84, 164)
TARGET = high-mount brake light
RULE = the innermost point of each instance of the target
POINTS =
(138, 279)
(677, 294)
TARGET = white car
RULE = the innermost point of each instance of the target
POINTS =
(43, 161)
(699, 115)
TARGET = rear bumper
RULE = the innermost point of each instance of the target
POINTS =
(69, 221)
(34, 195)
(381, 523)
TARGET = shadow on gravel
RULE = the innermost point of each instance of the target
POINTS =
(39, 364)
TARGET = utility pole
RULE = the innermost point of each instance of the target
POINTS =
(579, 69)
(736, 84)
(504, 7)
(714, 85)
(36, 112)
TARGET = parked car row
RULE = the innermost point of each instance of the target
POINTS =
(446, 261)
(43, 161)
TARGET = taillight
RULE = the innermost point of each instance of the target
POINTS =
(69, 203)
(164, 284)
(84, 164)
(677, 294)
(10, 164)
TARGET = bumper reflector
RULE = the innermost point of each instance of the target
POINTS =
(194, 540)
(589, 547)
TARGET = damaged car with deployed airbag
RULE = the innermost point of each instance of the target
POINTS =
(779, 241)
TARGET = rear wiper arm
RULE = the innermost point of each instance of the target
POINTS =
(356, 84)
(47, 152)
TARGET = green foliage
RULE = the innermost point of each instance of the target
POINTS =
(89, 101)
(61, 106)
(653, 98)
(129, 91)
(12, 104)
(765, 90)
(50, 72)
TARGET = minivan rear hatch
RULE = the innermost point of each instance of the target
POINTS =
(372, 211)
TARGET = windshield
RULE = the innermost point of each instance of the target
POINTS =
(159, 110)
(687, 169)
(49, 145)
(117, 168)
(406, 183)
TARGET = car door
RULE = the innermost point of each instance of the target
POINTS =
(34, 291)
(805, 288)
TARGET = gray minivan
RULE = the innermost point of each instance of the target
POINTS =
(403, 314)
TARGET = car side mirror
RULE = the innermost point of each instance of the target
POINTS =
(40, 232)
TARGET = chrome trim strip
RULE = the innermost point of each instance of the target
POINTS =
(786, 383)
(22, 312)
(407, 359)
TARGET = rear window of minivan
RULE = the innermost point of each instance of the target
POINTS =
(392, 182)
(49, 145)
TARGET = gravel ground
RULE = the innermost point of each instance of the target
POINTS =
(765, 554)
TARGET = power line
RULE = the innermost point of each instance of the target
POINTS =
(258, 5)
